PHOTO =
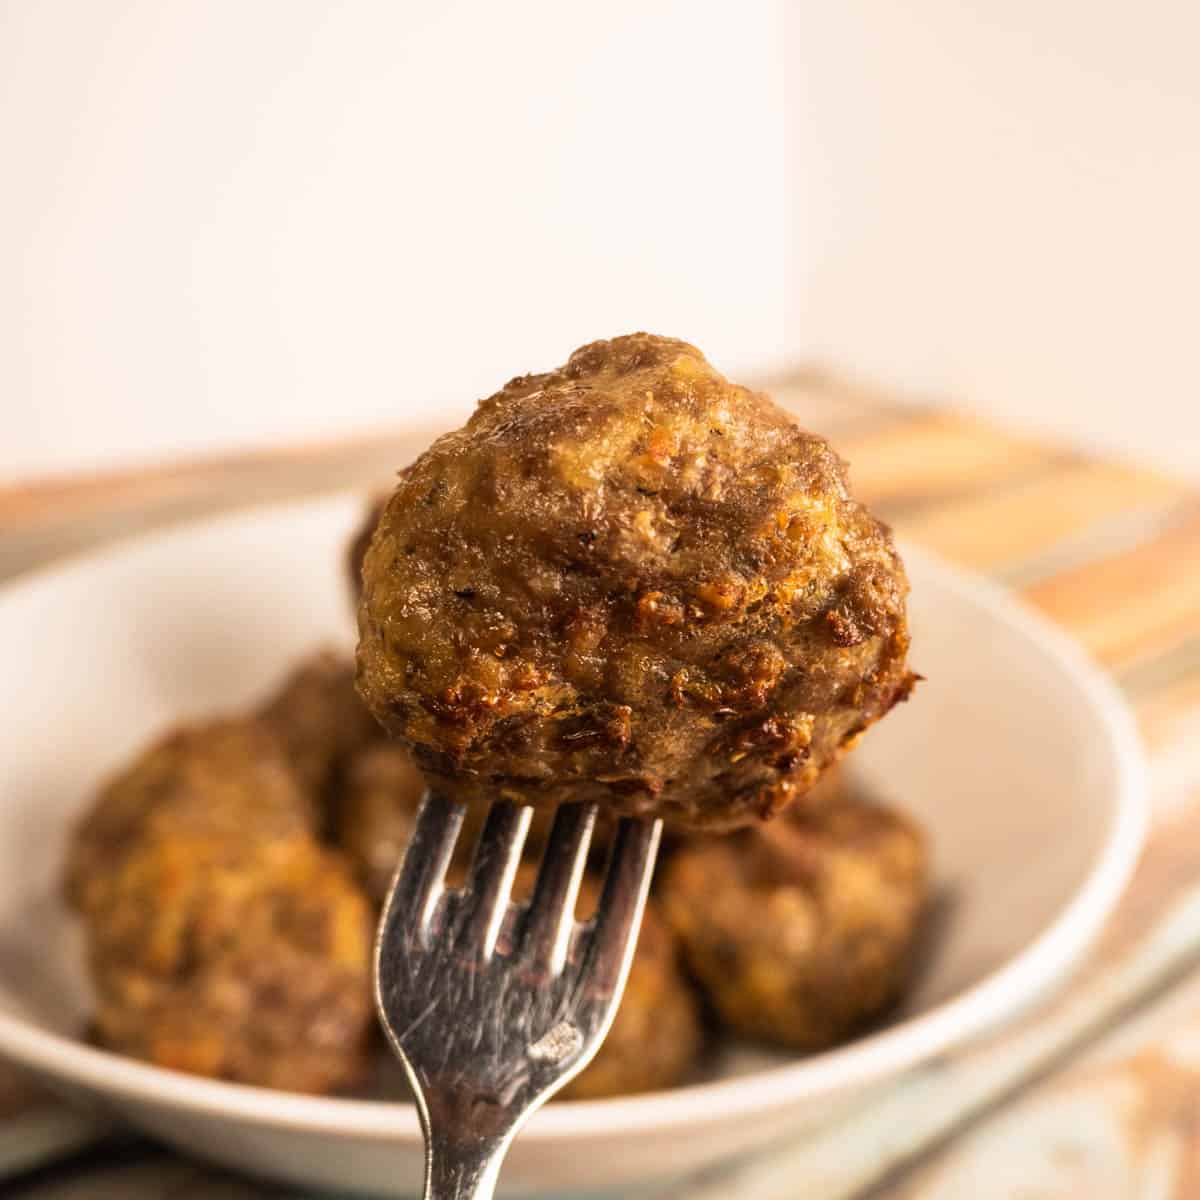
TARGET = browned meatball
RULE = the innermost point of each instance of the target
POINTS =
(221, 938)
(320, 719)
(631, 581)
(248, 963)
(804, 930)
(356, 553)
(375, 813)
(224, 778)
(657, 1035)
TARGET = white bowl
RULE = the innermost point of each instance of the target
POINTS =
(1016, 752)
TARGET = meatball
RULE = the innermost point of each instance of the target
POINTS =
(242, 962)
(801, 932)
(657, 1035)
(227, 778)
(375, 813)
(630, 581)
(221, 937)
(357, 550)
(318, 716)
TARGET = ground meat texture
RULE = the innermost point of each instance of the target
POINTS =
(801, 932)
(223, 778)
(237, 961)
(658, 1035)
(630, 581)
(320, 720)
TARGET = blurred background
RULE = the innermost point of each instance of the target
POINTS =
(228, 225)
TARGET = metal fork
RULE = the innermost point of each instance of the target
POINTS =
(493, 1006)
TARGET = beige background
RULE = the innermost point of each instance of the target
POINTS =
(227, 223)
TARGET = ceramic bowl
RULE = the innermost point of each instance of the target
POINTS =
(1016, 752)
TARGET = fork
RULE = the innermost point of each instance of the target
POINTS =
(492, 1006)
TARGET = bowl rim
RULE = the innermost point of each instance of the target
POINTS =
(1004, 993)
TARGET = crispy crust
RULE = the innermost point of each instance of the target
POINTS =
(633, 582)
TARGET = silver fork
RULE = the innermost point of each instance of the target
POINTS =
(493, 1006)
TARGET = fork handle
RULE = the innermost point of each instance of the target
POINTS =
(458, 1171)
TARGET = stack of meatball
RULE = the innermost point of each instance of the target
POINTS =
(228, 879)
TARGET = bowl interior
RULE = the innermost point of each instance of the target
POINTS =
(1002, 752)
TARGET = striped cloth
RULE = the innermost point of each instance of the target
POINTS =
(1108, 550)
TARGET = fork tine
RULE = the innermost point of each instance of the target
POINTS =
(493, 868)
(419, 879)
(626, 886)
(551, 917)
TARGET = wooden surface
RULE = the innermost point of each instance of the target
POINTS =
(1108, 550)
